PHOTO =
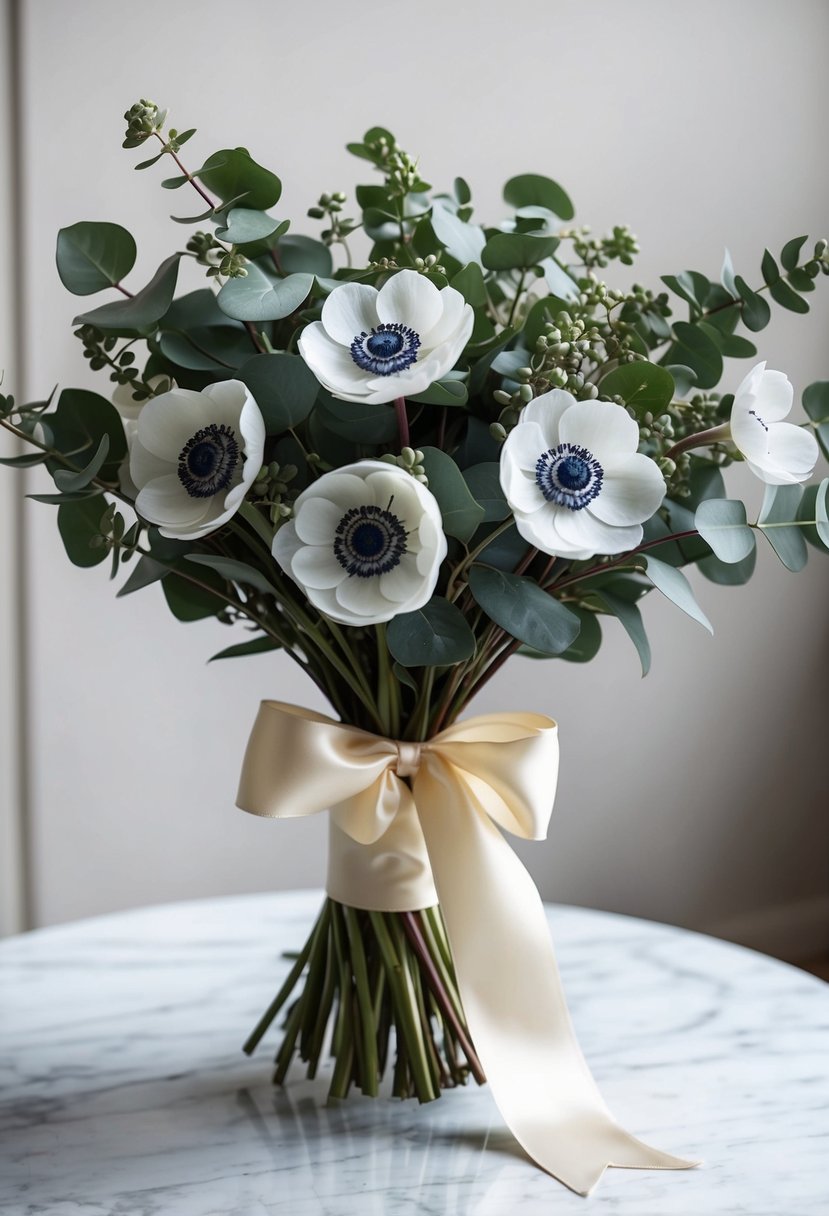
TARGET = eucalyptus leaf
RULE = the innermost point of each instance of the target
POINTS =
(643, 385)
(300, 254)
(446, 392)
(79, 523)
(146, 572)
(92, 256)
(469, 281)
(69, 482)
(787, 297)
(776, 520)
(234, 571)
(243, 225)
(589, 640)
(674, 585)
(257, 297)
(816, 405)
(631, 621)
(359, 422)
(756, 312)
(436, 635)
(559, 281)
(514, 250)
(693, 347)
(191, 602)
(721, 522)
(233, 173)
(484, 482)
(141, 314)
(78, 426)
(464, 241)
(728, 574)
(254, 646)
(790, 252)
(284, 388)
(523, 610)
(459, 510)
(531, 189)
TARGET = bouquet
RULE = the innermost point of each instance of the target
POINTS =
(402, 450)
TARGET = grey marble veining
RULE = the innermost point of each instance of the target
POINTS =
(123, 1090)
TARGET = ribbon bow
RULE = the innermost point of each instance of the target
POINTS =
(400, 847)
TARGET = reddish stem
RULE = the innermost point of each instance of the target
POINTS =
(402, 421)
(130, 295)
(418, 944)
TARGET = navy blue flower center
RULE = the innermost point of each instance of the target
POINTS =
(569, 476)
(386, 350)
(207, 461)
(369, 540)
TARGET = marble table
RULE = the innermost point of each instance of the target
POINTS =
(123, 1091)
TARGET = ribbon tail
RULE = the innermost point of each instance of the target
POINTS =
(512, 993)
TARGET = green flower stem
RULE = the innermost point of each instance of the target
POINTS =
(279, 1000)
(370, 1070)
(518, 292)
(388, 689)
(419, 721)
(456, 575)
(442, 986)
(388, 934)
(191, 179)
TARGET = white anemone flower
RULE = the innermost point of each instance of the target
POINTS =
(194, 456)
(374, 346)
(365, 543)
(129, 407)
(777, 452)
(576, 483)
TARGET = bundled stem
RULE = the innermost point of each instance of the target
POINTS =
(368, 974)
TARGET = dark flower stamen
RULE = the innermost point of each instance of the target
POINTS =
(387, 349)
(368, 541)
(207, 461)
(569, 475)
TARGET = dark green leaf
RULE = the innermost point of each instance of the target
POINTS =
(257, 297)
(189, 602)
(816, 405)
(284, 387)
(695, 348)
(514, 250)
(586, 645)
(78, 425)
(207, 348)
(436, 635)
(69, 482)
(233, 173)
(142, 313)
(485, 486)
(255, 646)
(728, 574)
(787, 297)
(403, 676)
(147, 571)
(735, 347)
(642, 385)
(630, 618)
(790, 252)
(443, 392)
(361, 423)
(234, 571)
(523, 610)
(461, 514)
(756, 312)
(303, 255)
(531, 189)
(78, 523)
(470, 283)
(27, 461)
(92, 256)
(769, 268)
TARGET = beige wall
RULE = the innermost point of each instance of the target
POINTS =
(695, 796)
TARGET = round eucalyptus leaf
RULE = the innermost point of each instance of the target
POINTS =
(92, 256)
(436, 635)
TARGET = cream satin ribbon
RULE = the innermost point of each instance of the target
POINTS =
(396, 848)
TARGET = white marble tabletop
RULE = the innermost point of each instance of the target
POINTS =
(123, 1090)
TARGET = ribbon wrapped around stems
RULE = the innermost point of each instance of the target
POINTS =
(399, 847)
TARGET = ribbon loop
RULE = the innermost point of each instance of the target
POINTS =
(398, 849)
